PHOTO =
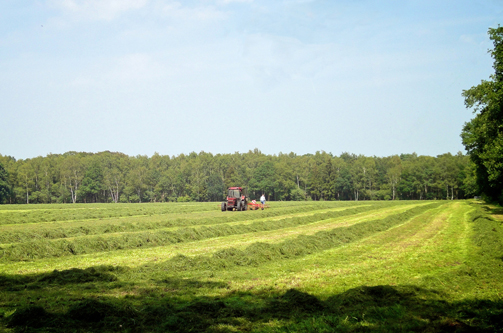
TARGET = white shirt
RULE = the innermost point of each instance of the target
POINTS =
(262, 198)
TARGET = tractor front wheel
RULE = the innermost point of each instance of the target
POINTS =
(224, 206)
(238, 206)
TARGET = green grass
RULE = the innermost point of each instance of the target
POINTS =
(296, 267)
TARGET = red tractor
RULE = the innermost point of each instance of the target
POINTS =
(236, 199)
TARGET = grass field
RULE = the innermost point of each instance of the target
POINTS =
(400, 266)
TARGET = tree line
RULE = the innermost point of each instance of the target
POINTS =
(116, 177)
(483, 135)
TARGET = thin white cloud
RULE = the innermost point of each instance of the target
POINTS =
(128, 69)
(137, 66)
(176, 10)
(473, 39)
(225, 2)
(97, 9)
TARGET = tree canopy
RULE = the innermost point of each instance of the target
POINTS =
(4, 185)
(483, 135)
(116, 177)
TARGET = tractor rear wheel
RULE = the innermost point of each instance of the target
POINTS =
(238, 206)
(224, 207)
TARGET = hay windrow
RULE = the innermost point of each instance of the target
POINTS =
(45, 248)
(259, 253)
(290, 285)
(177, 218)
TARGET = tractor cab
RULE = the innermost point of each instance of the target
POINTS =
(234, 192)
(236, 199)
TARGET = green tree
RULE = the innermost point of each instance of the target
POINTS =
(72, 173)
(358, 172)
(216, 187)
(137, 177)
(344, 182)
(263, 180)
(48, 177)
(407, 187)
(92, 183)
(369, 171)
(483, 135)
(447, 170)
(470, 180)
(198, 178)
(4, 185)
(284, 180)
(297, 194)
(10, 166)
(115, 166)
(394, 173)
(25, 180)
(315, 182)
(426, 165)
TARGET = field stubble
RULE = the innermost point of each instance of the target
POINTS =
(318, 266)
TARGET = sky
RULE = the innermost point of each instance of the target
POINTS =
(376, 78)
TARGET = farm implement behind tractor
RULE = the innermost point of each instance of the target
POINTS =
(237, 200)
(254, 205)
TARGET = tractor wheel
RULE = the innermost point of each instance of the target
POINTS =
(224, 207)
(245, 206)
(238, 206)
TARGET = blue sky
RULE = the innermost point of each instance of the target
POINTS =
(144, 76)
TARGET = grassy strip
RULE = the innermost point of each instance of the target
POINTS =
(139, 256)
(482, 269)
(402, 254)
(21, 233)
(44, 249)
(428, 305)
(50, 213)
(60, 304)
(259, 253)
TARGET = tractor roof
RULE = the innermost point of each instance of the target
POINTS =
(236, 188)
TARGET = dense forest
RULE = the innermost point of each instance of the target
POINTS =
(117, 177)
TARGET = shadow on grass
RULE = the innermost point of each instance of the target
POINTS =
(60, 278)
(176, 285)
(373, 309)
(495, 210)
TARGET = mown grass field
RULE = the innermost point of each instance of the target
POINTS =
(401, 266)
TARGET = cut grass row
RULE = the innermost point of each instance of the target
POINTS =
(259, 253)
(139, 256)
(401, 278)
(40, 214)
(427, 246)
(56, 213)
(90, 244)
(442, 276)
(21, 232)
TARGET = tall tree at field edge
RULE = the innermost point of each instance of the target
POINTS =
(483, 135)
